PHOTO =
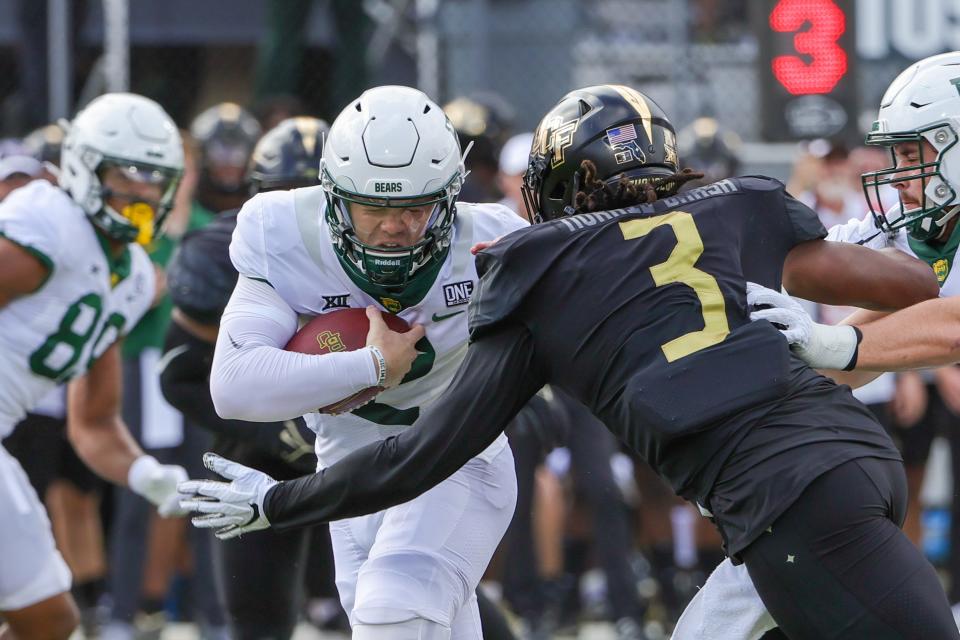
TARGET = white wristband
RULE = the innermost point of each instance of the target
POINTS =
(140, 472)
(381, 365)
(830, 347)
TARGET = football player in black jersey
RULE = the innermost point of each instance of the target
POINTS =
(631, 298)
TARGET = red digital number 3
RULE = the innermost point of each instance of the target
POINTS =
(828, 61)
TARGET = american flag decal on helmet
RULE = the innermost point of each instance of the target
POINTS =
(619, 135)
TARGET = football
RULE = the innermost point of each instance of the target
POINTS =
(342, 330)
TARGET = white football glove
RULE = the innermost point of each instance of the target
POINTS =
(821, 346)
(158, 483)
(232, 508)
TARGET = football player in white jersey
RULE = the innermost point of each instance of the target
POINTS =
(919, 123)
(73, 279)
(383, 231)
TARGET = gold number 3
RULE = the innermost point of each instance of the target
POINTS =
(679, 268)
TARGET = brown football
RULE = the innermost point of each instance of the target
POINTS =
(342, 330)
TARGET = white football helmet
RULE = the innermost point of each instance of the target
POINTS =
(922, 103)
(391, 145)
(135, 134)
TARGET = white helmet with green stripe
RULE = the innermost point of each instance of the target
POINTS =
(391, 147)
(921, 104)
(135, 134)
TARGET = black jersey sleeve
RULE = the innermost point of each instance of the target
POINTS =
(508, 271)
(801, 221)
(185, 383)
(497, 377)
(804, 221)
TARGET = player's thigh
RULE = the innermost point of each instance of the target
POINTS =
(52, 618)
(431, 552)
(31, 568)
(351, 540)
(836, 566)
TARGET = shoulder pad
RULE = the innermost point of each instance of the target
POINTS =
(257, 223)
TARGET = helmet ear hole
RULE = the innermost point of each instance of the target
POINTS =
(558, 190)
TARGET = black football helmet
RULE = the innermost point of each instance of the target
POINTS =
(225, 134)
(288, 156)
(619, 129)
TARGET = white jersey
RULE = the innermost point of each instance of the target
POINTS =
(283, 238)
(57, 332)
(865, 232)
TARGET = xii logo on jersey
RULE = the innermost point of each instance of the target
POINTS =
(335, 302)
(331, 341)
(457, 293)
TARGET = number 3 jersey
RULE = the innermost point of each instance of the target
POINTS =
(86, 303)
(640, 313)
(282, 238)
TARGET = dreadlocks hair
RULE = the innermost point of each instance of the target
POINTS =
(597, 195)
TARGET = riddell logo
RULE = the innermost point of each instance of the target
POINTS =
(387, 187)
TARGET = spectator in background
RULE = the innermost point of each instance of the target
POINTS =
(272, 110)
(835, 194)
(513, 164)
(711, 149)
(280, 57)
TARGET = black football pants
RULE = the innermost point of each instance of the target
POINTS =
(836, 564)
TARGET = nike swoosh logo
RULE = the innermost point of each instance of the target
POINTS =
(169, 356)
(235, 344)
(437, 318)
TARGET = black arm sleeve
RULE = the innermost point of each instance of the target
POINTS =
(494, 381)
(185, 383)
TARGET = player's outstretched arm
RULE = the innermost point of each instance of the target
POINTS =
(924, 335)
(102, 441)
(254, 379)
(849, 274)
(495, 380)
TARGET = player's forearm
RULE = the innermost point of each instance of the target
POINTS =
(105, 445)
(266, 384)
(924, 335)
(493, 383)
(254, 379)
(847, 274)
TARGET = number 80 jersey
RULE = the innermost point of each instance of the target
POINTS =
(83, 306)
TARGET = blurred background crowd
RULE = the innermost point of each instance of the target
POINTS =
(596, 536)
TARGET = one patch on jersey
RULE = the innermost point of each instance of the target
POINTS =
(457, 293)
(335, 302)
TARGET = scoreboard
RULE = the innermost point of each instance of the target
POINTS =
(807, 68)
